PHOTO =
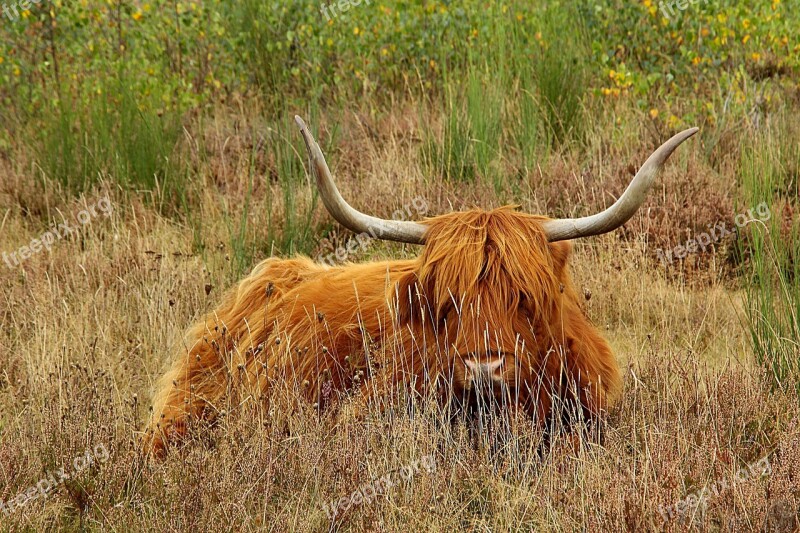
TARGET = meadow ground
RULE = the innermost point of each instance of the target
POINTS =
(142, 233)
(89, 326)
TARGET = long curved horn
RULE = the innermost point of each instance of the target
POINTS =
(392, 230)
(627, 204)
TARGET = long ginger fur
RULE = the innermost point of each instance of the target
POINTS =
(488, 309)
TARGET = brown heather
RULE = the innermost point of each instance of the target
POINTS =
(87, 329)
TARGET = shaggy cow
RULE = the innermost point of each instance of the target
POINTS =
(487, 312)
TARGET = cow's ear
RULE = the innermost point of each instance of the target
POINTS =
(560, 252)
(406, 298)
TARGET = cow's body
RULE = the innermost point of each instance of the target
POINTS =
(487, 312)
(475, 314)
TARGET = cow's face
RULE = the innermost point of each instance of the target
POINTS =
(488, 288)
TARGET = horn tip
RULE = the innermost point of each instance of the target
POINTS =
(685, 134)
(300, 122)
(678, 138)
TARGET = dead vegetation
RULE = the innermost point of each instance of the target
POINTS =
(87, 328)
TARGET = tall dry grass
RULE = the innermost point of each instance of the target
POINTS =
(86, 329)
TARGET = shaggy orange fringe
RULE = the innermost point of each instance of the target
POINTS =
(488, 287)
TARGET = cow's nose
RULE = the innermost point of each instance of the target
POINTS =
(485, 370)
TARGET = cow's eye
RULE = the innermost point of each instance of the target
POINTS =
(524, 305)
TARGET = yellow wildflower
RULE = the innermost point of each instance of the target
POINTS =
(137, 15)
(654, 113)
(356, 31)
(745, 39)
(756, 56)
(673, 121)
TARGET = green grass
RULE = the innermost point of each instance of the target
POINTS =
(769, 172)
(560, 74)
(113, 135)
(296, 231)
(289, 218)
(524, 79)
(450, 155)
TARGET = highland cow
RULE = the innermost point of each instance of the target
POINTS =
(486, 313)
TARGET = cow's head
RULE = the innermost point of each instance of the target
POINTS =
(488, 287)
(490, 296)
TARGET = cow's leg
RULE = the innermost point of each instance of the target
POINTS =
(209, 370)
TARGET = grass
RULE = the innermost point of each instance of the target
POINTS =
(520, 80)
(560, 74)
(287, 231)
(695, 409)
(552, 107)
(117, 136)
(769, 175)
